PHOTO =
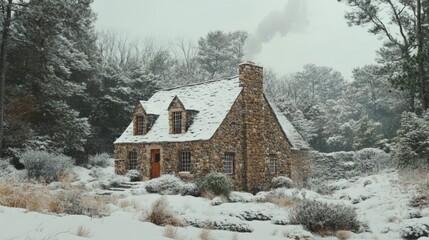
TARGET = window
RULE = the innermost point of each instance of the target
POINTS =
(177, 122)
(132, 157)
(228, 164)
(272, 159)
(186, 161)
(139, 125)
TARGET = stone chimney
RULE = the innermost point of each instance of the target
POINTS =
(251, 79)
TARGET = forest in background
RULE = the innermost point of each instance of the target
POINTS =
(70, 89)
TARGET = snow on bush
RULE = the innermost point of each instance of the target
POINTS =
(324, 218)
(282, 181)
(134, 175)
(258, 212)
(216, 201)
(280, 220)
(165, 185)
(346, 165)
(217, 183)
(46, 166)
(296, 232)
(99, 160)
(6, 169)
(190, 189)
(243, 197)
(415, 228)
(218, 223)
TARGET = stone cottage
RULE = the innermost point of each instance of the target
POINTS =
(226, 125)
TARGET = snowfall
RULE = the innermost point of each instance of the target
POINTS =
(381, 200)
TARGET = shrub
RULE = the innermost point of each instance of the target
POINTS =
(166, 185)
(83, 232)
(415, 230)
(282, 181)
(161, 214)
(99, 160)
(217, 183)
(6, 169)
(46, 166)
(170, 232)
(134, 175)
(324, 218)
(190, 189)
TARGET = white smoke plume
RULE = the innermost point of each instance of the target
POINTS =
(293, 18)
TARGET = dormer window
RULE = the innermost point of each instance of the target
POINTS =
(177, 122)
(140, 126)
(140, 120)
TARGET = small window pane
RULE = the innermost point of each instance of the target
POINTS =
(272, 159)
(177, 122)
(139, 124)
(132, 156)
(186, 161)
(228, 163)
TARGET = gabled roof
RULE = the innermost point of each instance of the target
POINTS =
(293, 136)
(212, 100)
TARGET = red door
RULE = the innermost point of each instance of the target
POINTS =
(156, 165)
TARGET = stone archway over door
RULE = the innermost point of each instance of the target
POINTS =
(155, 156)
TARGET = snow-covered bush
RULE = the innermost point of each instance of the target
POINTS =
(134, 175)
(166, 185)
(346, 165)
(190, 189)
(282, 181)
(412, 143)
(219, 223)
(99, 160)
(217, 183)
(243, 197)
(46, 166)
(415, 229)
(259, 213)
(324, 218)
(6, 169)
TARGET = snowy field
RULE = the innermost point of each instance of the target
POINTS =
(382, 202)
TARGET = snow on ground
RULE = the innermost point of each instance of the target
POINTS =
(381, 201)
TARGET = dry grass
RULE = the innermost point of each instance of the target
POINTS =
(124, 203)
(285, 202)
(83, 231)
(161, 214)
(343, 235)
(37, 197)
(394, 219)
(275, 231)
(170, 232)
(205, 234)
(208, 194)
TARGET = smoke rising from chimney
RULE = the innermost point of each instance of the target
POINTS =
(293, 18)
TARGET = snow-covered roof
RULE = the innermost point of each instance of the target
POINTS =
(212, 100)
(295, 139)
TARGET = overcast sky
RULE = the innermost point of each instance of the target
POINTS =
(320, 34)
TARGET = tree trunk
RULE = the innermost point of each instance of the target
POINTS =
(420, 58)
(3, 49)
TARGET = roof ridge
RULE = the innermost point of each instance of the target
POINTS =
(200, 83)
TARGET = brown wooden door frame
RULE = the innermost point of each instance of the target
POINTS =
(155, 163)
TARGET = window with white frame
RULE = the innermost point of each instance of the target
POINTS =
(132, 157)
(139, 125)
(272, 159)
(228, 164)
(177, 122)
(185, 157)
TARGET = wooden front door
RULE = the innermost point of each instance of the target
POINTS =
(155, 163)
